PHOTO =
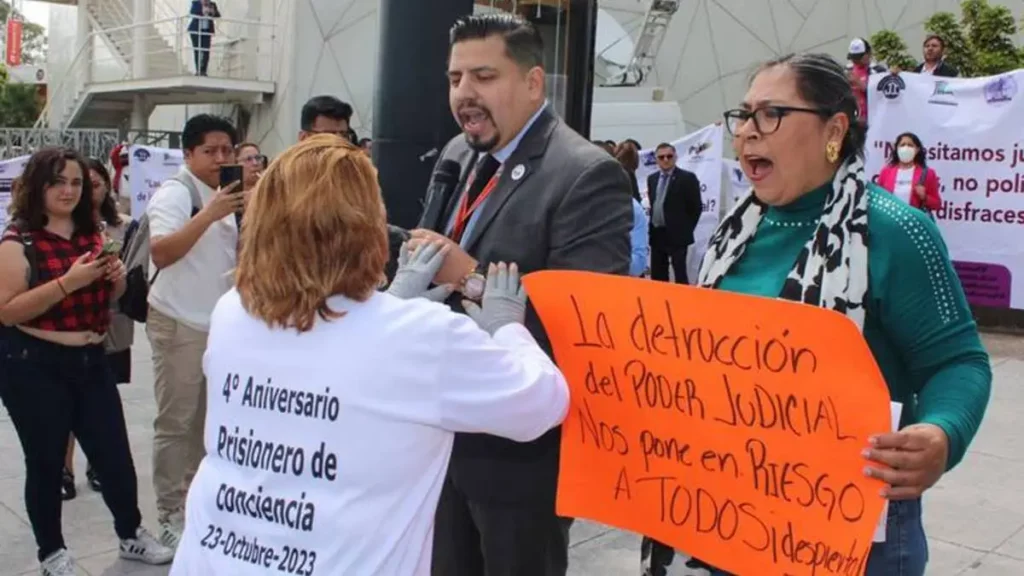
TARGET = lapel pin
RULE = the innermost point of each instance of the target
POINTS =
(518, 172)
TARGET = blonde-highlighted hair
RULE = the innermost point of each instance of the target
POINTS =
(314, 228)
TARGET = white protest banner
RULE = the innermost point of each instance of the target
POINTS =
(148, 167)
(699, 152)
(739, 186)
(971, 130)
(9, 171)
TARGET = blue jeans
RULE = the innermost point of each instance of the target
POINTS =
(905, 550)
(50, 390)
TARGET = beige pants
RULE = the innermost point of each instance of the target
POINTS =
(180, 390)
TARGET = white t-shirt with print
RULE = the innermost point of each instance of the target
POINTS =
(355, 420)
(904, 184)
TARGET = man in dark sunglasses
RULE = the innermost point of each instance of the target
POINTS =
(674, 195)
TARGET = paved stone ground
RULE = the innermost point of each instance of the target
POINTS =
(974, 517)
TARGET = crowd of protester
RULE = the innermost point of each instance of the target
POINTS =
(445, 379)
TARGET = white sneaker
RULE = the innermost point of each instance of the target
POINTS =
(146, 549)
(171, 529)
(57, 564)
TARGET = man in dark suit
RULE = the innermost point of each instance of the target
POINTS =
(934, 49)
(934, 59)
(536, 193)
(674, 196)
(200, 30)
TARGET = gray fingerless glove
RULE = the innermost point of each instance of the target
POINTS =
(416, 271)
(503, 302)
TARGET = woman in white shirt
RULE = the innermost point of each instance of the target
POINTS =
(332, 406)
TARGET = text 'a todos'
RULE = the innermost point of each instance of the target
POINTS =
(723, 424)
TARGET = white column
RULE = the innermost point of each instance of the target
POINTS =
(83, 35)
(140, 118)
(142, 12)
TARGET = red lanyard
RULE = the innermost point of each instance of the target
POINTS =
(465, 211)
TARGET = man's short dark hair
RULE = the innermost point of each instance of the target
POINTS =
(198, 126)
(326, 106)
(523, 43)
(665, 145)
(931, 37)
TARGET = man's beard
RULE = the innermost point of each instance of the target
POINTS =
(480, 145)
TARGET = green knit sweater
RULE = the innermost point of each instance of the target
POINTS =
(917, 323)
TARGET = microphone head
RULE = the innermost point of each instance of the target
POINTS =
(448, 172)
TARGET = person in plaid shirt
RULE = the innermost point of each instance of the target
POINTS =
(57, 279)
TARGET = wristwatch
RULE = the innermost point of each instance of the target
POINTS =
(473, 285)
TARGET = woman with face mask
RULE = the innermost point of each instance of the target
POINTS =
(907, 175)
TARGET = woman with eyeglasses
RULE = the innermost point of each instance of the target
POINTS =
(817, 232)
(253, 164)
(908, 176)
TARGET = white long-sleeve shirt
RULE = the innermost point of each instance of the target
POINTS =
(327, 450)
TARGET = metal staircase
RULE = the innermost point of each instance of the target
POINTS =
(648, 43)
(114, 18)
(125, 65)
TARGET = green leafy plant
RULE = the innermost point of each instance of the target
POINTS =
(20, 104)
(888, 47)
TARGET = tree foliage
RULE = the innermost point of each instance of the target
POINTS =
(20, 104)
(888, 47)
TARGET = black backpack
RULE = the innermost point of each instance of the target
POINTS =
(136, 257)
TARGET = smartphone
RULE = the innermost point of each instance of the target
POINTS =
(229, 174)
(111, 247)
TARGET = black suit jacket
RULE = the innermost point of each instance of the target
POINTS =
(682, 205)
(569, 209)
(944, 70)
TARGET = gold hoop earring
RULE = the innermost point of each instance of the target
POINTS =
(832, 152)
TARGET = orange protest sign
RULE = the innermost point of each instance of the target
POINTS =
(728, 426)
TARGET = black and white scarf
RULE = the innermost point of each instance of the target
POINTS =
(832, 268)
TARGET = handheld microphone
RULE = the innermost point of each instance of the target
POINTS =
(448, 172)
(443, 183)
(446, 178)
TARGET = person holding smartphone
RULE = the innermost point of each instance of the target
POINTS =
(194, 247)
(56, 285)
(118, 340)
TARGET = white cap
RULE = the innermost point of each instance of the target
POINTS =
(857, 47)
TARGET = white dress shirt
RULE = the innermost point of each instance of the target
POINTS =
(371, 401)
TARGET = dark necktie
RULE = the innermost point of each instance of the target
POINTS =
(485, 170)
(482, 174)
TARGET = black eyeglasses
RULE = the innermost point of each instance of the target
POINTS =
(254, 159)
(666, 156)
(767, 119)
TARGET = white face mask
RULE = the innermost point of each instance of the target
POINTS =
(906, 154)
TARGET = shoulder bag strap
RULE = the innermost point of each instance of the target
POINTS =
(30, 255)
